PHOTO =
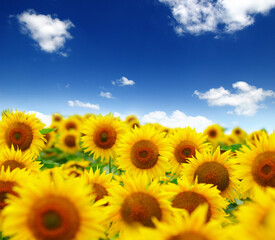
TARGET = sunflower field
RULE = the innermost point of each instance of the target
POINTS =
(98, 177)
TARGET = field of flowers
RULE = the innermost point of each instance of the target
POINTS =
(98, 177)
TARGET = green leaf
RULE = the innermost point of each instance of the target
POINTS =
(233, 147)
(47, 130)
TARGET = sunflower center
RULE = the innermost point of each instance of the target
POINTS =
(70, 141)
(105, 137)
(212, 133)
(70, 125)
(135, 125)
(188, 235)
(57, 118)
(190, 201)
(144, 154)
(54, 218)
(6, 187)
(141, 207)
(263, 169)
(47, 136)
(184, 150)
(12, 164)
(237, 132)
(20, 136)
(213, 173)
(99, 191)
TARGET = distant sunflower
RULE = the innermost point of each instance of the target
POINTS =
(100, 183)
(144, 151)
(101, 135)
(22, 131)
(52, 209)
(57, 117)
(254, 136)
(136, 203)
(81, 165)
(239, 133)
(189, 196)
(214, 168)
(132, 121)
(214, 134)
(50, 140)
(68, 141)
(257, 164)
(185, 142)
(9, 158)
(70, 123)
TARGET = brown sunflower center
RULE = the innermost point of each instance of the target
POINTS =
(105, 137)
(99, 191)
(213, 133)
(188, 235)
(213, 173)
(47, 136)
(190, 201)
(54, 218)
(263, 169)
(184, 150)
(20, 136)
(144, 154)
(70, 141)
(70, 125)
(12, 164)
(237, 131)
(141, 207)
(57, 118)
(5, 188)
(135, 125)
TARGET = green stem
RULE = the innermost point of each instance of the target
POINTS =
(110, 165)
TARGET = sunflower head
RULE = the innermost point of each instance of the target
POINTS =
(57, 117)
(68, 141)
(214, 134)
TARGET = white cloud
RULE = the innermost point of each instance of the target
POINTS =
(106, 95)
(177, 119)
(246, 100)
(123, 82)
(199, 16)
(77, 103)
(47, 119)
(50, 33)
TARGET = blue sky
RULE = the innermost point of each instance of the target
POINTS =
(158, 59)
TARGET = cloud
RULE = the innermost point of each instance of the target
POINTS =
(50, 33)
(47, 119)
(106, 95)
(177, 119)
(246, 100)
(123, 82)
(77, 103)
(199, 16)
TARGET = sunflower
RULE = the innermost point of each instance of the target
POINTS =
(144, 151)
(132, 121)
(137, 203)
(81, 165)
(57, 117)
(52, 209)
(214, 134)
(239, 133)
(9, 158)
(191, 227)
(252, 137)
(185, 142)
(100, 183)
(189, 196)
(101, 134)
(214, 168)
(68, 141)
(257, 164)
(50, 140)
(70, 123)
(22, 131)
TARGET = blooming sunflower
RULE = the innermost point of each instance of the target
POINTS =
(185, 142)
(9, 158)
(56, 117)
(68, 141)
(239, 133)
(100, 183)
(101, 134)
(189, 196)
(144, 151)
(252, 137)
(132, 121)
(50, 140)
(81, 165)
(136, 203)
(52, 209)
(191, 227)
(70, 123)
(22, 131)
(257, 164)
(214, 168)
(214, 134)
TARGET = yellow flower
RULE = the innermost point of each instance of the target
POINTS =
(68, 141)
(52, 208)
(81, 165)
(257, 164)
(9, 158)
(56, 117)
(144, 151)
(70, 123)
(22, 131)
(214, 134)
(101, 134)
(50, 140)
(214, 168)
(185, 142)
(132, 121)
(239, 133)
